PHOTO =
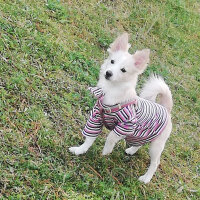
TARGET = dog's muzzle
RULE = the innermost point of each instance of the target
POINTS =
(108, 74)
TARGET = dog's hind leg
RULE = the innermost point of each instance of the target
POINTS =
(84, 147)
(111, 140)
(155, 151)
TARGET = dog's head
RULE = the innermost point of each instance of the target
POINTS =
(121, 66)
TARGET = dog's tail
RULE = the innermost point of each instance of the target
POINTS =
(156, 86)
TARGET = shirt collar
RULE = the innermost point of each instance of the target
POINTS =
(98, 93)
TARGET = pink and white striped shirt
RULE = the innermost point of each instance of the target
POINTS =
(138, 122)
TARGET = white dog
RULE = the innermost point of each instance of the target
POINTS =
(136, 119)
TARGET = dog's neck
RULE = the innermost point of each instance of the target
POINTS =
(118, 92)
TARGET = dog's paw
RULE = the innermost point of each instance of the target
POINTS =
(144, 179)
(77, 150)
(106, 151)
(132, 150)
(129, 151)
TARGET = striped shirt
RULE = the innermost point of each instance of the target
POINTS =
(138, 122)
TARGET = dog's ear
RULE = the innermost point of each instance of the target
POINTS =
(120, 44)
(141, 59)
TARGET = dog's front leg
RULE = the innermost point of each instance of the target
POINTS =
(84, 147)
(111, 140)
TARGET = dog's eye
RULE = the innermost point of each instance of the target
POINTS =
(123, 70)
(112, 61)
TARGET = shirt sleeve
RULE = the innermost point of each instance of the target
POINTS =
(96, 91)
(94, 124)
(127, 123)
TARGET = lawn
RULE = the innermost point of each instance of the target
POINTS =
(50, 53)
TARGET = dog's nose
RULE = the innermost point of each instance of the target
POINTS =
(108, 74)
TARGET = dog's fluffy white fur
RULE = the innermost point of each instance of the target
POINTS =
(119, 87)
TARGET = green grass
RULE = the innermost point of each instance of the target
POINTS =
(50, 52)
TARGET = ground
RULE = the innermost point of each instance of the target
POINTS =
(50, 53)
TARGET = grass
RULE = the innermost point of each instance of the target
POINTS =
(50, 52)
